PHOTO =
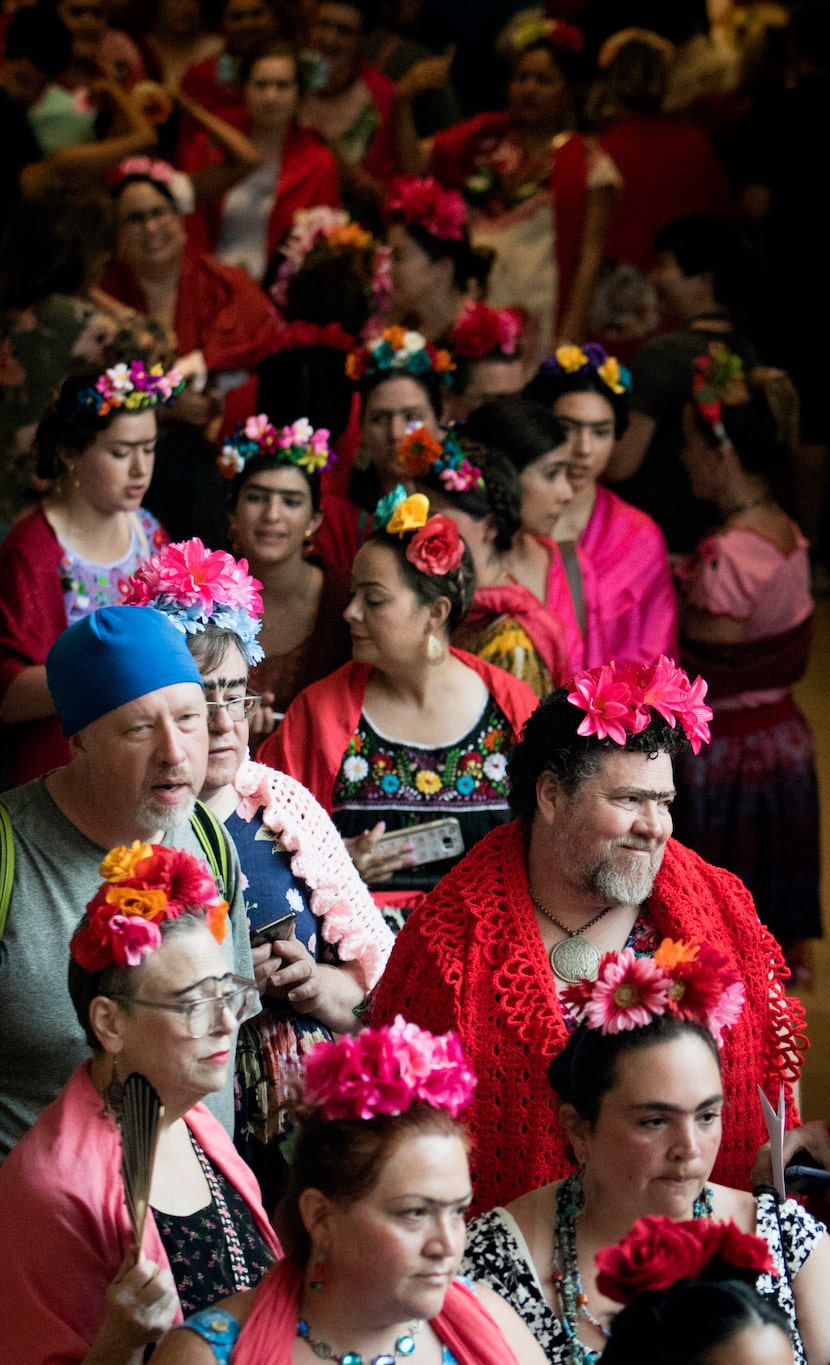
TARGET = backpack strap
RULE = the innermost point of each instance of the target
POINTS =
(211, 836)
(6, 866)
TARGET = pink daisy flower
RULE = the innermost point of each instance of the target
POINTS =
(628, 992)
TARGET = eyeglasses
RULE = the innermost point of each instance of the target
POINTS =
(238, 708)
(237, 994)
(141, 219)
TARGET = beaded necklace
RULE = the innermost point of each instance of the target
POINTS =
(404, 1346)
(567, 1281)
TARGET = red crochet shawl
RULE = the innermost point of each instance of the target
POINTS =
(472, 959)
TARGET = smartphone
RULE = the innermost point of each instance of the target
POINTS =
(431, 842)
(802, 1177)
(276, 930)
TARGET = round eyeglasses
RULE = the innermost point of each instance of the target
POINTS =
(237, 994)
(238, 708)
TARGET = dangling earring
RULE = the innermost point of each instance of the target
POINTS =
(318, 1276)
(436, 650)
(113, 1094)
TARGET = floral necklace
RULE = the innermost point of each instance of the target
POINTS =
(567, 1281)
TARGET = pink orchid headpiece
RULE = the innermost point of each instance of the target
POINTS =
(689, 980)
(131, 386)
(420, 200)
(659, 1252)
(386, 1071)
(195, 588)
(298, 444)
(482, 332)
(619, 700)
(143, 886)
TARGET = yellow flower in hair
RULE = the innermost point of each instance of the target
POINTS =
(610, 374)
(571, 358)
(121, 862)
(313, 460)
(409, 515)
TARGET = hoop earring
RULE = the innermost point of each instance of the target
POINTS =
(436, 650)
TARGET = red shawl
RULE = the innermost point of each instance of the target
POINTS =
(472, 959)
(310, 743)
(270, 1332)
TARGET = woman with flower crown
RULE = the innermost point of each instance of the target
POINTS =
(275, 514)
(435, 271)
(411, 730)
(151, 989)
(641, 1096)
(480, 490)
(372, 1225)
(96, 444)
(746, 618)
(616, 594)
(401, 379)
(314, 979)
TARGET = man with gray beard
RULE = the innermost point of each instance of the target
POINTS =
(587, 867)
(130, 698)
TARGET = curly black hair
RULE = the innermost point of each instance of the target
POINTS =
(500, 499)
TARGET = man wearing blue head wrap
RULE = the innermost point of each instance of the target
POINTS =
(130, 700)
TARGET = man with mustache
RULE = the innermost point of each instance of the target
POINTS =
(130, 698)
(587, 867)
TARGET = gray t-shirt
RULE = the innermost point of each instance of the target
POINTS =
(55, 876)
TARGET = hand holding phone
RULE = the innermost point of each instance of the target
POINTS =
(277, 930)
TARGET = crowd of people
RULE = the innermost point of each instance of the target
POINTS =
(412, 494)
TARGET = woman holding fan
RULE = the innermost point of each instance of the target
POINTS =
(150, 987)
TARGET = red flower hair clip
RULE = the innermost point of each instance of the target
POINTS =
(143, 886)
(659, 1252)
(482, 331)
(620, 700)
(437, 548)
(420, 200)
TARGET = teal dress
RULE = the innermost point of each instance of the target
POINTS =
(222, 1331)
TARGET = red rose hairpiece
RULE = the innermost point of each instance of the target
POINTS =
(421, 200)
(482, 331)
(689, 980)
(386, 1071)
(143, 886)
(619, 700)
(718, 377)
(659, 1252)
(437, 548)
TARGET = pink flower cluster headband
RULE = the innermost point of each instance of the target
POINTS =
(619, 700)
(482, 331)
(143, 886)
(148, 167)
(689, 980)
(131, 386)
(436, 547)
(298, 444)
(420, 200)
(195, 588)
(386, 1071)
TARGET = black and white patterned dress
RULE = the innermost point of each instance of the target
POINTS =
(497, 1254)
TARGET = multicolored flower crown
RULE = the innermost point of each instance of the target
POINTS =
(143, 886)
(321, 233)
(620, 699)
(482, 332)
(659, 1252)
(436, 548)
(419, 452)
(133, 387)
(298, 444)
(525, 33)
(397, 351)
(422, 201)
(718, 378)
(689, 980)
(196, 588)
(386, 1071)
(593, 357)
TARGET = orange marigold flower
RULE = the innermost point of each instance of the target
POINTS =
(443, 362)
(133, 900)
(395, 336)
(419, 450)
(216, 919)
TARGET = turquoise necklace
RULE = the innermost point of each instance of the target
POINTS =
(567, 1281)
(404, 1346)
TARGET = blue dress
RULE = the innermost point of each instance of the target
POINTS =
(222, 1331)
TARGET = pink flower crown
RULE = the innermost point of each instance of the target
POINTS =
(659, 1252)
(436, 547)
(419, 452)
(718, 378)
(298, 444)
(482, 332)
(143, 886)
(131, 386)
(148, 167)
(196, 588)
(420, 200)
(319, 233)
(386, 1071)
(620, 699)
(689, 980)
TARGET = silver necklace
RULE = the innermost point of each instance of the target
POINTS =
(573, 958)
(404, 1346)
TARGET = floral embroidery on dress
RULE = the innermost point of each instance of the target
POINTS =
(472, 772)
